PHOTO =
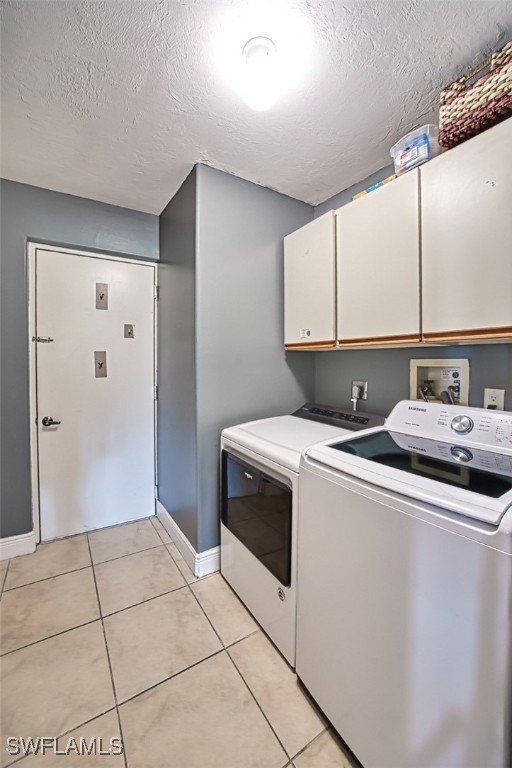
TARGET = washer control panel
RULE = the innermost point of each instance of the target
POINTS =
(452, 423)
(461, 454)
(427, 448)
(462, 424)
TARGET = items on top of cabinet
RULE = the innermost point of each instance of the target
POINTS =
(415, 148)
(477, 100)
(374, 187)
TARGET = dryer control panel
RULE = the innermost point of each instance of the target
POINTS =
(329, 414)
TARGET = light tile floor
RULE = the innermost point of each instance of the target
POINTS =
(110, 634)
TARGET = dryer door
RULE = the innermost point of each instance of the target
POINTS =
(257, 509)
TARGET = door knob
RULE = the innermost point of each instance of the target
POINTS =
(49, 422)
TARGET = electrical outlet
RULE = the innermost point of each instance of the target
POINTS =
(494, 399)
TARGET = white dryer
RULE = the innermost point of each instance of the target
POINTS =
(259, 473)
(404, 618)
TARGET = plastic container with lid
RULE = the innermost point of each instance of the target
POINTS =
(415, 148)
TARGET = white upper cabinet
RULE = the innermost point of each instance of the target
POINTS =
(378, 265)
(309, 284)
(427, 257)
(466, 197)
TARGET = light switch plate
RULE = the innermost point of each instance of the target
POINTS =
(100, 365)
(101, 295)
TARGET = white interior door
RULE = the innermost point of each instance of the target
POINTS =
(96, 379)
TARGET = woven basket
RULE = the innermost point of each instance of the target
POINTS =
(477, 100)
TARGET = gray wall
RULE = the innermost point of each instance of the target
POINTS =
(387, 370)
(177, 463)
(31, 213)
(387, 373)
(242, 370)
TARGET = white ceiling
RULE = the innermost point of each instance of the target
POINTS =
(116, 101)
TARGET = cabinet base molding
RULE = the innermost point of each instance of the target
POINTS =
(475, 334)
(311, 345)
(405, 338)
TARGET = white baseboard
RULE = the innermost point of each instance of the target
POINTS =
(200, 563)
(207, 562)
(13, 546)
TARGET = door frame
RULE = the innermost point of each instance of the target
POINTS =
(32, 249)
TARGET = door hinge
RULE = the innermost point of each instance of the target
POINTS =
(157, 292)
(156, 491)
(42, 339)
(155, 392)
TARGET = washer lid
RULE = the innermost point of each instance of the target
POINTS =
(473, 483)
(282, 438)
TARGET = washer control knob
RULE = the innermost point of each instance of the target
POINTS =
(461, 454)
(462, 424)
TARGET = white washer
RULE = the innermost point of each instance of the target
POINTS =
(404, 618)
(260, 465)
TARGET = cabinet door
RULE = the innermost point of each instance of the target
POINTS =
(466, 202)
(378, 264)
(309, 284)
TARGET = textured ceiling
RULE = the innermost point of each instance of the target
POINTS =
(116, 101)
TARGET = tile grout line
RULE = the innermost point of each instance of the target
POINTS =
(98, 618)
(49, 637)
(47, 578)
(226, 650)
(74, 536)
(171, 677)
(74, 570)
(245, 637)
(288, 756)
(108, 658)
(207, 617)
(158, 532)
(4, 578)
(224, 646)
(349, 758)
(101, 618)
(303, 749)
(330, 730)
(127, 554)
(101, 614)
(141, 602)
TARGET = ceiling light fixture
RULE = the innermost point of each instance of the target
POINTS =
(261, 81)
